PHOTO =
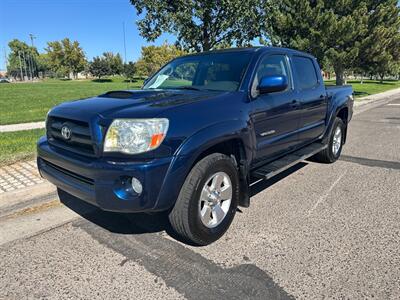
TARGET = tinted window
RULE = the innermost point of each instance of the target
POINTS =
(305, 71)
(269, 66)
(214, 71)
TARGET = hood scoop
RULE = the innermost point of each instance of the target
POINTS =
(118, 94)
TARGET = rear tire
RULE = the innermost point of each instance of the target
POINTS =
(335, 144)
(195, 216)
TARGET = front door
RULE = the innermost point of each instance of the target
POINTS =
(275, 116)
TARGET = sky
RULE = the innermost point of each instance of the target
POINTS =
(96, 24)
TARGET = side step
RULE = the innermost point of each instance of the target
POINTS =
(274, 168)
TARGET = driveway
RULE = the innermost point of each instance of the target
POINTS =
(316, 231)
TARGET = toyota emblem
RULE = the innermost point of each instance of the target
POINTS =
(66, 132)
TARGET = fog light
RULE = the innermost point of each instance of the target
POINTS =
(136, 185)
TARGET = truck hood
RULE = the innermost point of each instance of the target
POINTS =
(130, 104)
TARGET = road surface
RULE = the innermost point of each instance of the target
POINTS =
(317, 231)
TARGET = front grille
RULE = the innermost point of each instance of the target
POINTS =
(80, 140)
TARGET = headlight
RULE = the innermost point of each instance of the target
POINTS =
(134, 136)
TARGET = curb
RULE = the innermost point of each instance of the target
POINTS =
(366, 103)
(377, 97)
(21, 199)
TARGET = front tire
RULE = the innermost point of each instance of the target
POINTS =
(335, 143)
(208, 200)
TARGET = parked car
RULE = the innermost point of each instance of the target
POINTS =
(192, 139)
(4, 80)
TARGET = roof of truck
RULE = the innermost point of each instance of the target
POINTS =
(251, 49)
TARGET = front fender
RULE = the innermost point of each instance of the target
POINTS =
(187, 154)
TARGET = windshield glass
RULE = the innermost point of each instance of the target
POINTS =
(214, 71)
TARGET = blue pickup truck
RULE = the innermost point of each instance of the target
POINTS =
(193, 138)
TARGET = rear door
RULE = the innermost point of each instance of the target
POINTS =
(275, 116)
(312, 95)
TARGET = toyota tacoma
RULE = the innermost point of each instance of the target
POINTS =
(196, 135)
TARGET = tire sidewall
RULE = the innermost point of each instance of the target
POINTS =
(197, 227)
(338, 123)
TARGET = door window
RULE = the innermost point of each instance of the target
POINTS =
(305, 72)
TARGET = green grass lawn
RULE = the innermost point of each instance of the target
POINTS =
(20, 145)
(369, 87)
(29, 102)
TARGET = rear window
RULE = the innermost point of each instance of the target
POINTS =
(306, 74)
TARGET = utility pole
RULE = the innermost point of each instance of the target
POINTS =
(30, 64)
(5, 58)
(32, 37)
(123, 30)
(20, 65)
(23, 56)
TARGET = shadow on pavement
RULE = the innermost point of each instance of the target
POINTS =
(140, 238)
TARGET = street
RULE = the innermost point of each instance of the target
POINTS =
(316, 231)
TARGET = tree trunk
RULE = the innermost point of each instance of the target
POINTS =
(381, 76)
(362, 78)
(339, 76)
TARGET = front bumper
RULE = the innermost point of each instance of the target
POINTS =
(101, 182)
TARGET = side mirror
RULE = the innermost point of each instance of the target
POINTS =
(271, 84)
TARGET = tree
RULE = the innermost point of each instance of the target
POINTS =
(154, 57)
(99, 67)
(22, 60)
(380, 49)
(115, 63)
(130, 70)
(66, 57)
(328, 29)
(202, 25)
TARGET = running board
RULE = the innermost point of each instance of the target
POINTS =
(274, 168)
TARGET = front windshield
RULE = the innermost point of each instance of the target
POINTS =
(213, 71)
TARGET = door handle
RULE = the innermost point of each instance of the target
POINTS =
(295, 104)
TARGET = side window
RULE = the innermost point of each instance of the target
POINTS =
(269, 66)
(305, 72)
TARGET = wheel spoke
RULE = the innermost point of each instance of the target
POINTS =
(226, 192)
(218, 213)
(206, 213)
(217, 182)
(204, 193)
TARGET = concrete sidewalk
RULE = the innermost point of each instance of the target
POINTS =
(22, 126)
(18, 176)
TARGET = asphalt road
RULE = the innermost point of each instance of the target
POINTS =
(317, 231)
